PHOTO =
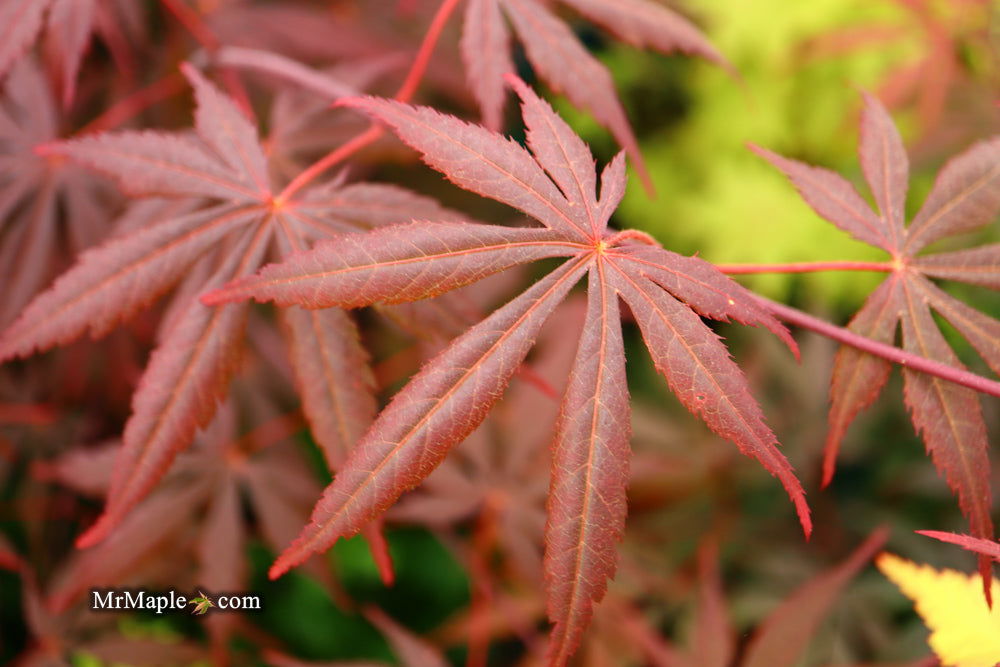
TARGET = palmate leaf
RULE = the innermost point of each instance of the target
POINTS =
(562, 61)
(965, 196)
(451, 395)
(228, 218)
(68, 25)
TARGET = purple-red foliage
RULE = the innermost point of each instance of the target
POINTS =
(218, 216)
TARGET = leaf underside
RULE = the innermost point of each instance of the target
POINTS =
(554, 180)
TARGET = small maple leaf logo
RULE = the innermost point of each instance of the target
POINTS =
(202, 604)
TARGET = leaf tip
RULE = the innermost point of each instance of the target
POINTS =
(215, 297)
(374, 534)
(515, 82)
(96, 533)
(805, 517)
(345, 102)
(782, 332)
(644, 176)
(362, 103)
(237, 290)
(189, 71)
(282, 564)
(871, 102)
(760, 151)
(830, 450)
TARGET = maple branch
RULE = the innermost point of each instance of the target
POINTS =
(888, 352)
(631, 234)
(338, 154)
(126, 108)
(423, 57)
(404, 94)
(804, 267)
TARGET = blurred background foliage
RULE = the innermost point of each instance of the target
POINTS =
(800, 66)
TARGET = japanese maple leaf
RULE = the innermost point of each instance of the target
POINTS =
(965, 196)
(35, 236)
(68, 25)
(230, 217)
(562, 61)
(452, 394)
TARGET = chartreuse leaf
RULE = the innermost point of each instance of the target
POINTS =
(965, 631)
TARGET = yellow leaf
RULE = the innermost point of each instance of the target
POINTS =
(964, 631)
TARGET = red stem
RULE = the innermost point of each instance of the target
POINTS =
(423, 57)
(804, 267)
(404, 94)
(339, 154)
(631, 234)
(135, 103)
(888, 352)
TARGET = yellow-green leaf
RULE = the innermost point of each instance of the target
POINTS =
(965, 632)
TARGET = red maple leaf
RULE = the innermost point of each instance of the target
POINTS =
(222, 223)
(452, 394)
(965, 196)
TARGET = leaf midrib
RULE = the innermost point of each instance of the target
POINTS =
(353, 498)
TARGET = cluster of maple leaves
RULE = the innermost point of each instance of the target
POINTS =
(210, 218)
